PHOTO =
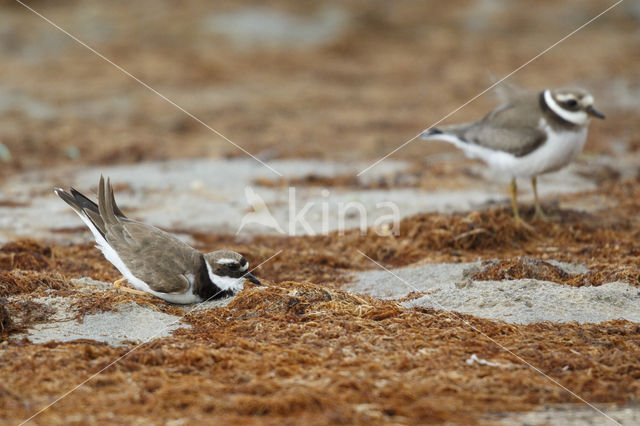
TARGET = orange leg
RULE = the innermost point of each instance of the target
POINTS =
(539, 212)
(118, 286)
(513, 189)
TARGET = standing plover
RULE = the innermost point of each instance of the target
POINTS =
(529, 135)
(155, 261)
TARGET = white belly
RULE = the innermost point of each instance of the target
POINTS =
(182, 298)
(559, 150)
(112, 256)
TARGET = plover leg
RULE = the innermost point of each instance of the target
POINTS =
(117, 284)
(513, 188)
(539, 214)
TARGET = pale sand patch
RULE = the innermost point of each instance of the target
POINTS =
(522, 301)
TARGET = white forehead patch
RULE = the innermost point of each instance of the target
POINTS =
(579, 118)
(565, 97)
(245, 267)
(226, 261)
(587, 100)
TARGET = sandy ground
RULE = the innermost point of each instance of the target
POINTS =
(318, 92)
(525, 301)
(195, 196)
(570, 415)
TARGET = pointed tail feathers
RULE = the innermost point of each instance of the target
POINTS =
(443, 135)
(88, 210)
(431, 133)
(84, 207)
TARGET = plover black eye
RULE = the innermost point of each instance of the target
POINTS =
(234, 266)
(572, 103)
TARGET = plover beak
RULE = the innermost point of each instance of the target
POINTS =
(595, 113)
(252, 279)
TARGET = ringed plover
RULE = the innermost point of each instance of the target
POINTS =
(155, 261)
(529, 135)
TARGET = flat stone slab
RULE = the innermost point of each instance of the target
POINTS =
(402, 281)
(570, 414)
(132, 322)
(524, 301)
(530, 301)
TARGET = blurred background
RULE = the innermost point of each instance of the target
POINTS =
(319, 90)
(348, 80)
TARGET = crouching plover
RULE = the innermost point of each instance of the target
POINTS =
(154, 261)
(529, 135)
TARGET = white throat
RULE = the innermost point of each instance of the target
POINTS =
(225, 283)
(579, 118)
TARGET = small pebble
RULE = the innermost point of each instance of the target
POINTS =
(5, 154)
(73, 152)
(196, 185)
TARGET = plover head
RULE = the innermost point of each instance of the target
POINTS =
(574, 105)
(228, 270)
